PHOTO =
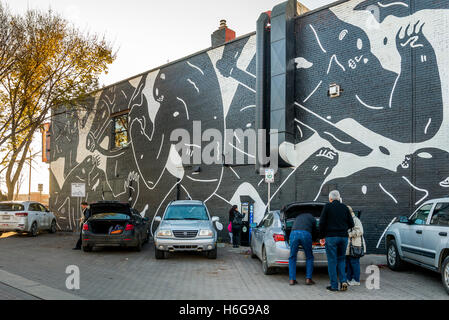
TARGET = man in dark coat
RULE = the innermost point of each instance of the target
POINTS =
(84, 218)
(335, 221)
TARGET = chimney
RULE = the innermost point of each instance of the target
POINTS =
(222, 35)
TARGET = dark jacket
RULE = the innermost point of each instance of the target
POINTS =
(335, 220)
(306, 222)
(237, 219)
(86, 214)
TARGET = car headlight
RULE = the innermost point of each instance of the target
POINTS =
(164, 233)
(206, 233)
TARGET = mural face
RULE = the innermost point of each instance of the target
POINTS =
(383, 143)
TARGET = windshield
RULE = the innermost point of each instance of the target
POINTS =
(111, 216)
(11, 207)
(186, 213)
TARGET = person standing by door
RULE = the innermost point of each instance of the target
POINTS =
(237, 223)
(83, 219)
(335, 221)
(231, 217)
(356, 240)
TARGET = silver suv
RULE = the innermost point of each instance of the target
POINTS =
(422, 239)
(186, 226)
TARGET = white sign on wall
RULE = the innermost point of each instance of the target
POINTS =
(78, 190)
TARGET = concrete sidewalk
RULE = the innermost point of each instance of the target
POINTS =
(32, 290)
(37, 267)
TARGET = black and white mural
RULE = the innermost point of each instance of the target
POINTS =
(383, 143)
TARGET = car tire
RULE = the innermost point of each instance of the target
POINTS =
(87, 248)
(394, 260)
(52, 227)
(265, 268)
(445, 274)
(212, 254)
(159, 254)
(33, 230)
(138, 248)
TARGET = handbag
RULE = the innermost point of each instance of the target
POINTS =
(230, 227)
(356, 251)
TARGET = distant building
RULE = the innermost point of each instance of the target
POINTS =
(35, 196)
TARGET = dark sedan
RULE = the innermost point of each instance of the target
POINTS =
(113, 224)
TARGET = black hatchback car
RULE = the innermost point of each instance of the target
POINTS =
(114, 224)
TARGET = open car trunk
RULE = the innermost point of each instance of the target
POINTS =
(109, 218)
(290, 212)
(108, 227)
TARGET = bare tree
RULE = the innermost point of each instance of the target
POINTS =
(54, 65)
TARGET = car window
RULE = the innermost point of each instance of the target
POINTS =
(33, 207)
(420, 217)
(261, 223)
(441, 215)
(268, 221)
(11, 207)
(186, 212)
(42, 208)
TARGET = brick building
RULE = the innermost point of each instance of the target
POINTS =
(356, 90)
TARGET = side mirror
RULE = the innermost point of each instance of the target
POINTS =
(404, 219)
(215, 219)
(158, 219)
(253, 225)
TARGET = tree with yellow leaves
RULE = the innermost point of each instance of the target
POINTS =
(45, 62)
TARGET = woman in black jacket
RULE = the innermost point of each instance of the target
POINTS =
(236, 218)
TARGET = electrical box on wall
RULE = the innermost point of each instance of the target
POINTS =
(334, 90)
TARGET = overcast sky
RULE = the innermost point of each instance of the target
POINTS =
(149, 33)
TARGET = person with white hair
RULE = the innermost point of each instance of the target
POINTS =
(335, 221)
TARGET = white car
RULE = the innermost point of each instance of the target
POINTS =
(26, 216)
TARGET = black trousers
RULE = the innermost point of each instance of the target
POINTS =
(236, 233)
(80, 241)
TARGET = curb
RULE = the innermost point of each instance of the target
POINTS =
(35, 289)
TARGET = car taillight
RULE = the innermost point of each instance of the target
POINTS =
(85, 227)
(129, 227)
(278, 237)
(22, 214)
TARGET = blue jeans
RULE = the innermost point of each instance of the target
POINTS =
(298, 238)
(353, 268)
(336, 254)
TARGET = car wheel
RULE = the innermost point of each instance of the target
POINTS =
(138, 248)
(266, 269)
(159, 254)
(394, 260)
(445, 274)
(53, 227)
(212, 254)
(33, 230)
(87, 248)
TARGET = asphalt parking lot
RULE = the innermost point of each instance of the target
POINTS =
(35, 268)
